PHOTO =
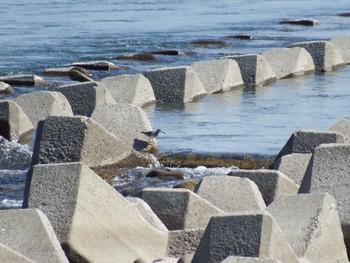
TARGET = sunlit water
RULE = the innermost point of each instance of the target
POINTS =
(37, 34)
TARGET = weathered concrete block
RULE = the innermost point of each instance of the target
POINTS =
(342, 44)
(179, 209)
(9, 255)
(293, 165)
(39, 105)
(240, 194)
(29, 232)
(248, 234)
(134, 89)
(289, 62)
(271, 183)
(324, 54)
(329, 172)
(343, 127)
(23, 80)
(84, 97)
(177, 84)
(183, 242)
(218, 75)
(14, 123)
(310, 223)
(125, 121)
(96, 65)
(92, 220)
(73, 139)
(146, 211)
(305, 141)
(255, 70)
(249, 260)
(6, 88)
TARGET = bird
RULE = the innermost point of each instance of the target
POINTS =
(152, 134)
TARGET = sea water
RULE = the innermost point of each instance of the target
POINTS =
(37, 34)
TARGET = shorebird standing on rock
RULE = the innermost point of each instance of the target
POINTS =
(152, 134)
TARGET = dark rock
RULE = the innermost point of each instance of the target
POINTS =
(58, 72)
(78, 76)
(165, 173)
(23, 80)
(206, 43)
(243, 36)
(304, 22)
(168, 52)
(141, 57)
(96, 65)
(346, 14)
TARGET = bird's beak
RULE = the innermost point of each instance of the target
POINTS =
(162, 132)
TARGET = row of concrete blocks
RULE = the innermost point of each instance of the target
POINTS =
(247, 216)
(186, 84)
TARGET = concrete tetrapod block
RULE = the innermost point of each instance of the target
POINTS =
(9, 255)
(39, 105)
(93, 222)
(176, 84)
(146, 211)
(249, 260)
(14, 123)
(305, 141)
(329, 171)
(342, 44)
(218, 75)
(29, 232)
(324, 54)
(126, 122)
(183, 242)
(179, 209)
(343, 127)
(240, 194)
(248, 234)
(74, 139)
(293, 165)
(96, 65)
(134, 89)
(84, 97)
(271, 183)
(255, 70)
(6, 89)
(311, 224)
(289, 62)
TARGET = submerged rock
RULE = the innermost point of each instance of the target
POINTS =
(165, 173)
(23, 80)
(206, 43)
(304, 22)
(141, 57)
(96, 65)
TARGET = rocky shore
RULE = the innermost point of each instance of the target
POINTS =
(296, 211)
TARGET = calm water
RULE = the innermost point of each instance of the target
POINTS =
(37, 34)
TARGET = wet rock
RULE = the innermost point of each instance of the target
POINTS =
(140, 57)
(38, 105)
(96, 65)
(14, 123)
(6, 89)
(271, 183)
(179, 209)
(176, 84)
(330, 172)
(310, 223)
(293, 165)
(84, 97)
(73, 139)
(325, 55)
(170, 52)
(255, 70)
(342, 44)
(206, 42)
(303, 22)
(165, 173)
(305, 141)
(78, 76)
(88, 213)
(23, 80)
(29, 232)
(125, 121)
(183, 242)
(218, 75)
(289, 62)
(243, 36)
(134, 89)
(243, 194)
(59, 72)
(248, 234)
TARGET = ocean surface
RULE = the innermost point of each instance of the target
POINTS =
(36, 35)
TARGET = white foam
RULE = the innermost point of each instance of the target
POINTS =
(8, 203)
